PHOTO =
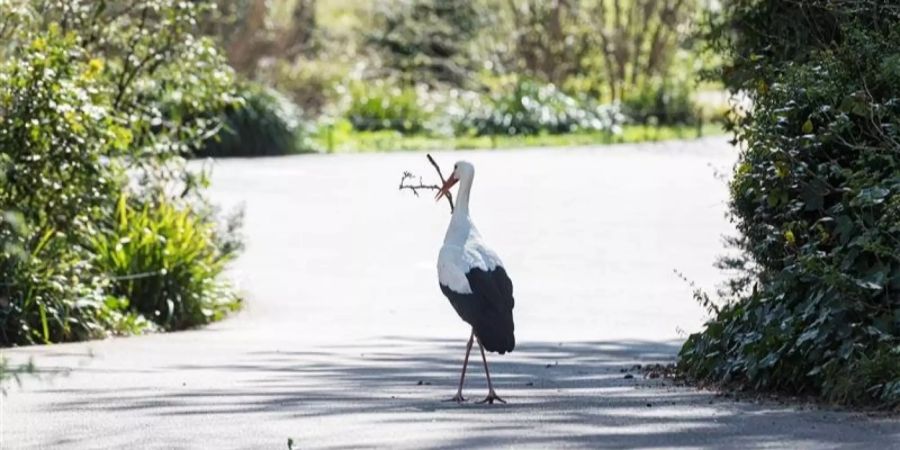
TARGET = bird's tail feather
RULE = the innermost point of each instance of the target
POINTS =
(497, 334)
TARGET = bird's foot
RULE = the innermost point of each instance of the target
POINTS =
(491, 398)
(458, 398)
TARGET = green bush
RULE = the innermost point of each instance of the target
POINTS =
(378, 105)
(662, 104)
(816, 199)
(52, 189)
(264, 123)
(521, 108)
(80, 118)
(532, 108)
(309, 83)
(166, 264)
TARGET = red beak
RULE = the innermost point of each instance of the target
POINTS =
(445, 189)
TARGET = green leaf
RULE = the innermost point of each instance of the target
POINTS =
(808, 335)
(789, 237)
(807, 126)
(813, 194)
(871, 196)
(770, 360)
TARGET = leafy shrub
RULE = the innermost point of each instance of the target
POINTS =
(660, 103)
(166, 264)
(532, 108)
(377, 105)
(264, 123)
(816, 198)
(309, 83)
(43, 296)
(79, 111)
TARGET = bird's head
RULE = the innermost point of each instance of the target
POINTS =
(462, 170)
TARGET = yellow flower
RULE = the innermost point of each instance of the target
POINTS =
(94, 67)
(39, 44)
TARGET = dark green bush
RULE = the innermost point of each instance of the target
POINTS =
(264, 123)
(816, 199)
(662, 104)
(533, 108)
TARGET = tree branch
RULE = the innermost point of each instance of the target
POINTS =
(434, 187)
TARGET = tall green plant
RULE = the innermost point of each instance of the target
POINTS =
(166, 264)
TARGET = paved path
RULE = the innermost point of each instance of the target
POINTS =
(346, 340)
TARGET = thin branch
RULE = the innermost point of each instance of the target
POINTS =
(415, 187)
(441, 176)
(434, 187)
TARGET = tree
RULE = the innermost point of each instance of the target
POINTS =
(246, 30)
(630, 42)
(427, 41)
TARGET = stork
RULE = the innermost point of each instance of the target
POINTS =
(472, 277)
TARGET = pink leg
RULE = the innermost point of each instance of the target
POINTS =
(492, 396)
(458, 398)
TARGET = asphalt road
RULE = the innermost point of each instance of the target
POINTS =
(346, 340)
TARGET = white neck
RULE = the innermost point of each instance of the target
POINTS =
(460, 224)
(462, 197)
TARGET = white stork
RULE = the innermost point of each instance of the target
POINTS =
(474, 280)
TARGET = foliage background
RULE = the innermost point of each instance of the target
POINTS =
(463, 68)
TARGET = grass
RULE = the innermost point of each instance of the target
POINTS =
(382, 141)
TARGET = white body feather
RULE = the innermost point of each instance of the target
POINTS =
(462, 251)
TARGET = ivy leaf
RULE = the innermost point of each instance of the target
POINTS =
(807, 126)
(856, 103)
(813, 195)
(866, 284)
(808, 335)
(769, 360)
(845, 228)
(789, 237)
(871, 196)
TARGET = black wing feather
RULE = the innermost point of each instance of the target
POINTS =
(493, 286)
(488, 308)
(494, 323)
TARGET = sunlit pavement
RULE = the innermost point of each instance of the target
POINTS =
(346, 340)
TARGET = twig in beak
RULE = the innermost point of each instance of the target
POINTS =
(415, 188)
(441, 176)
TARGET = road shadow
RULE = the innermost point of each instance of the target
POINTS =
(590, 389)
